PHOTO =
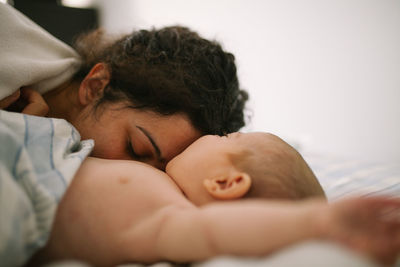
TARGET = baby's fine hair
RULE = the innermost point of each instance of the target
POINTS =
(278, 171)
(169, 70)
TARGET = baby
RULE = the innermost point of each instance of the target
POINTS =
(117, 212)
(251, 165)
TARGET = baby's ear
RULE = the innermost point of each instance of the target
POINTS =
(92, 86)
(231, 186)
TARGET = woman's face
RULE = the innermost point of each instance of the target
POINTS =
(126, 133)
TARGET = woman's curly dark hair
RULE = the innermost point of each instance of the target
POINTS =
(169, 70)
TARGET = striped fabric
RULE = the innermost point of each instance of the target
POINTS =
(38, 159)
(344, 178)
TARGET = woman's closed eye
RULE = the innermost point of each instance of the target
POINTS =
(133, 154)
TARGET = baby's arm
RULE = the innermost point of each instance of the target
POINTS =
(258, 228)
(247, 228)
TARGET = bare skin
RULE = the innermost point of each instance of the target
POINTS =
(26, 101)
(117, 212)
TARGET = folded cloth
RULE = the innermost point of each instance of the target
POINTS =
(38, 159)
(30, 56)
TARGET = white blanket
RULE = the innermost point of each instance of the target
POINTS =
(38, 159)
(38, 156)
(31, 56)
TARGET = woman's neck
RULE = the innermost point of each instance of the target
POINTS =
(63, 101)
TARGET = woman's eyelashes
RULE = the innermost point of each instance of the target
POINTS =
(131, 150)
(133, 154)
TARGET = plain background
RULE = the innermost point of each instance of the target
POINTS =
(325, 74)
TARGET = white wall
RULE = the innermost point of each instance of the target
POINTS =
(326, 73)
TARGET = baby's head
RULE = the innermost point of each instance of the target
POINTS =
(242, 165)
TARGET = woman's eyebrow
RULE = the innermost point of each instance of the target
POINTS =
(153, 143)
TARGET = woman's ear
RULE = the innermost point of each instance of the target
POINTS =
(92, 86)
(231, 186)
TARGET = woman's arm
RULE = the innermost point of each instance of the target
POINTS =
(27, 101)
(7, 101)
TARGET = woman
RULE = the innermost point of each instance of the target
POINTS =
(146, 95)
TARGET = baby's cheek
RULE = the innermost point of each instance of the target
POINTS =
(169, 169)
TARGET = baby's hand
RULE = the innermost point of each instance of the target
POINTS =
(26, 101)
(368, 225)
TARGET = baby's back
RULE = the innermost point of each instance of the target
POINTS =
(107, 206)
